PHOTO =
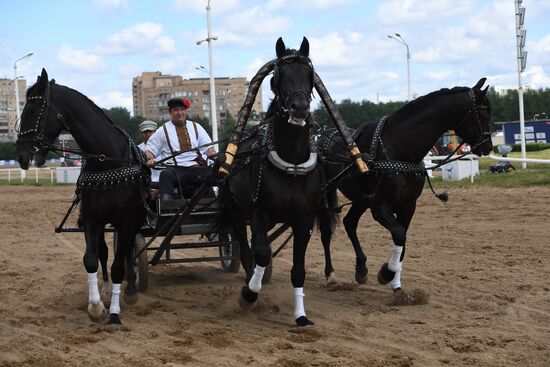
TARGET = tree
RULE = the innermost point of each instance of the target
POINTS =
(356, 113)
(7, 151)
(121, 117)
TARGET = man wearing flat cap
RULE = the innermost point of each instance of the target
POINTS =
(146, 129)
(175, 136)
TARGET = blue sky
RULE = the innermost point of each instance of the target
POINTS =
(98, 46)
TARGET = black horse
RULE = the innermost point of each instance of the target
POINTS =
(275, 178)
(112, 185)
(397, 144)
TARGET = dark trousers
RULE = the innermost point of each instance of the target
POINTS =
(185, 179)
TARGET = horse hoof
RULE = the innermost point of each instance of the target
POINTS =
(97, 311)
(247, 298)
(303, 321)
(361, 278)
(331, 280)
(131, 299)
(114, 319)
(385, 275)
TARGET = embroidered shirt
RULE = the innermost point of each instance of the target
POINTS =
(158, 145)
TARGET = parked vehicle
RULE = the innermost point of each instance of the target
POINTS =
(71, 160)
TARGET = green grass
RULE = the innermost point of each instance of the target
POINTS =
(484, 163)
(517, 178)
(30, 182)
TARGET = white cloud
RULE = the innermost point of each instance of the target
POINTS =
(81, 60)
(537, 78)
(256, 23)
(337, 49)
(199, 6)
(111, 99)
(275, 4)
(109, 5)
(144, 37)
(420, 11)
(313, 5)
(253, 68)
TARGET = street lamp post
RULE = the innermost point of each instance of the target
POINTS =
(17, 108)
(202, 68)
(213, 110)
(400, 39)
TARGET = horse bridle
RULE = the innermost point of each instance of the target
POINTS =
(39, 129)
(484, 135)
(284, 102)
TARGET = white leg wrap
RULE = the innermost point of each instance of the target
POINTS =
(396, 282)
(255, 283)
(299, 303)
(93, 289)
(395, 259)
(115, 299)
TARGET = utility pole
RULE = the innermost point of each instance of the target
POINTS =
(213, 109)
(522, 61)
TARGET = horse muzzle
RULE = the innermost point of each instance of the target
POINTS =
(25, 154)
(484, 149)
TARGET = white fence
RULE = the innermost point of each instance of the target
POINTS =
(51, 174)
(473, 162)
(70, 174)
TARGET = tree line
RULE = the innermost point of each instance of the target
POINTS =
(504, 108)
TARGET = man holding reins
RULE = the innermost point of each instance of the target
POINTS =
(180, 135)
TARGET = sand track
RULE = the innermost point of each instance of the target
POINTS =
(482, 258)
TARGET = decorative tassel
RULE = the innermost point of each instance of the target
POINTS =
(444, 197)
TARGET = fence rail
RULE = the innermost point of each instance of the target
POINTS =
(37, 174)
(68, 174)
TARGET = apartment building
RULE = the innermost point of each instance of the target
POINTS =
(8, 111)
(152, 90)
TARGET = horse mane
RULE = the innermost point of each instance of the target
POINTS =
(95, 106)
(414, 105)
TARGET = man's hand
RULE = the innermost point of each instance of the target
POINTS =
(151, 162)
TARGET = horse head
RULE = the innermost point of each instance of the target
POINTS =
(477, 132)
(39, 125)
(292, 81)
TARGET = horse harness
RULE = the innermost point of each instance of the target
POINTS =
(265, 148)
(136, 171)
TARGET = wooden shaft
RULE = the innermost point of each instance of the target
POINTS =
(340, 124)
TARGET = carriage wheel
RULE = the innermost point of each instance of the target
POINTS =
(229, 246)
(141, 264)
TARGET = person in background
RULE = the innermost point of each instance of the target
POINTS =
(146, 129)
(175, 136)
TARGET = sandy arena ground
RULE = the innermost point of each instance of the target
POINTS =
(482, 259)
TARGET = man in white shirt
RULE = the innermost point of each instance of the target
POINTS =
(180, 135)
(146, 129)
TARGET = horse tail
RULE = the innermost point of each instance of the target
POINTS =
(329, 211)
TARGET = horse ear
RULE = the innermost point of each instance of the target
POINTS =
(42, 83)
(480, 84)
(484, 91)
(304, 48)
(280, 48)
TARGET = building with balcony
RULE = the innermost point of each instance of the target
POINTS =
(8, 110)
(152, 90)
